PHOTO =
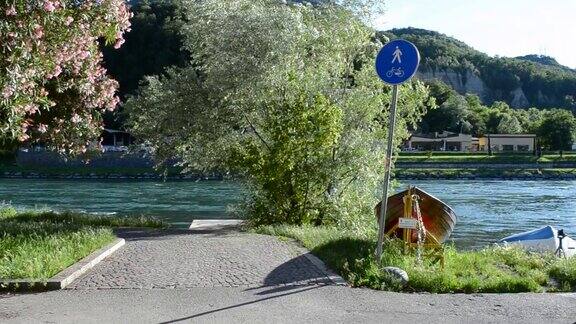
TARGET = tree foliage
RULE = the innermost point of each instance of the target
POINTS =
(555, 127)
(557, 130)
(153, 44)
(285, 96)
(52, 84)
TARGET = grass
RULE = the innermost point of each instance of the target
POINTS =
(482, 173)
(37, 245)
(506, 158)
(493, 269)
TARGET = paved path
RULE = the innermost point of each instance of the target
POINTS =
(228, 277)
(287, 304)
(190, 259)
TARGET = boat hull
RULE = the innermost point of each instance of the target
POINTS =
(438, 218)
(543, 239)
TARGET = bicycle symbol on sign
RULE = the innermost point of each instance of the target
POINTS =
(398, 72)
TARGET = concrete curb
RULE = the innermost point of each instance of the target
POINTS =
(215, 224)
(319, 264)
(66, 276)
(335, 278)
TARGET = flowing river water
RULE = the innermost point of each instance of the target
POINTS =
(487, 209)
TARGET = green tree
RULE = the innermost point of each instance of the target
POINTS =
(286, 97)
(508, 124)
(153, 44)
(557, 130)
(476, 115)
(450, 115)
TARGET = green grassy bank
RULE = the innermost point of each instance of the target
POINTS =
(431, 173)
(38, 245)
(464, 157)
(493, 269)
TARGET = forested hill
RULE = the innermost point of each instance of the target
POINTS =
(545, 60)
(527, 81)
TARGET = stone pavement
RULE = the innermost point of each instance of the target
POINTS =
(189, 259)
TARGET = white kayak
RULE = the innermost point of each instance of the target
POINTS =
(543, 239)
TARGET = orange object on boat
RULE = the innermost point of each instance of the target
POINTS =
(438, 218)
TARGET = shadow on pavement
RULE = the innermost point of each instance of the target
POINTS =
(296, 273)
(241, 304)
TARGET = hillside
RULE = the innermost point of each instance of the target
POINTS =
(527, 81)
(543, 59)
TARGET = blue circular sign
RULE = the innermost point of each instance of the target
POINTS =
(397, 61)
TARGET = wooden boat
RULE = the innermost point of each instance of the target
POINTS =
(438, 218)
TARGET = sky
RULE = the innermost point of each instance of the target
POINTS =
(496, 27)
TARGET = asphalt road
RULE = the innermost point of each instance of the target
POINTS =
(226, 276)
(296, 304)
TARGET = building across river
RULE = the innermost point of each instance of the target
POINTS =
(508, 142)
(448, 141)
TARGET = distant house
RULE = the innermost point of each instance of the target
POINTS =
(444, 141)
(448, 141)
(507, 142)
(116, 139)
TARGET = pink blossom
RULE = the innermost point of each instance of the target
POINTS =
(76, 118)
(84, 55)
(7, 92)
(38, 31)
(31, 109)
(11, 11)
(49, 6)
(76, 53)
(119, 43)
(57, 71)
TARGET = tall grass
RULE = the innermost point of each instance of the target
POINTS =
(38, 245)
(493, 269)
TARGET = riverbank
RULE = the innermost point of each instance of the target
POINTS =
(501, 166)
(408, 165)
(74, 173)
(38, 245)
(402, 172)
(483, 174)
(493, 269)
(485, 158)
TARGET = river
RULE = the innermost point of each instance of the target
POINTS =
(487, 209)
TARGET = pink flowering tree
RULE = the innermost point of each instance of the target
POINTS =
(53, 88)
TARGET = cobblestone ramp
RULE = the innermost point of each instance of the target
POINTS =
(185, 259)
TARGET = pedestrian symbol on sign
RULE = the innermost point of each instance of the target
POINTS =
(397, 61)
(397, 55)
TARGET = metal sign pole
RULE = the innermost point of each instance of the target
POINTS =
(396, 63)
(388, 166)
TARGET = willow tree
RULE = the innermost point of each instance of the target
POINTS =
(285, 96)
